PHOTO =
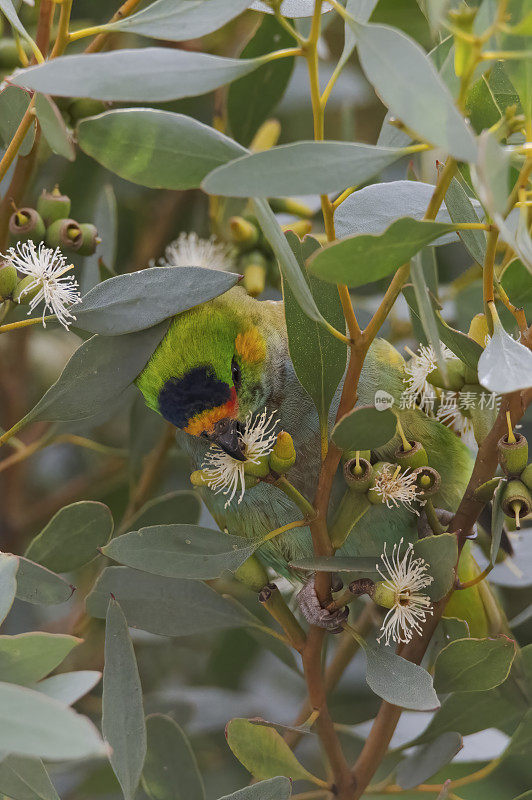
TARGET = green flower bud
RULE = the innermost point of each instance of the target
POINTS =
(64, 233)
(243, 232)
(516, 501)
(300, 227)
(484, 493)
(286, 205)
(283, 455)
(373, 496)
(8, 280)
(89, 239)
(413, 458)
(513, 456)
(455, 375)
(526, 476)
(358, 474)
(254, 268)
(22, 294)
(53, 205)
(383, 595)
(26, 223)
(252, 574)
(267, 136)
(258, 470)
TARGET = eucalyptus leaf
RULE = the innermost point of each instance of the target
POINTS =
(288, 265)
(426, 311)
(393, 64)
(361, 11)
(180, 506)
(123, 723)
(32, 724)
(170, 770)
(159, 149)
(168, 606)
(180, 551)
(398, 681)
(252, 99)
(473, 665)
(301, 168)
(7, 7)
(319, 358)
(373, 208)
(440, 554)
(461, 209)
(14, 103)
(505, 364)
(68, 687)
(263, 751)
(428, 759)
(179, 20)
(134, 75)
(139, 300)
(40, 586)
(53, 128)
(364, 258)
(28, 657)
(364, 428)
(521, 741)
(105, 366)
(274, 789)
(23, 778)
(72, 537)
(291, 8)
(104, 217)
(8, 583)
(361, 566)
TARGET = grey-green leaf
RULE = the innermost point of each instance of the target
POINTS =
(7, 7)
(14, 103)
(171, 607)
(398, 681)
(28, 657)
(426, 310)
(505, 365)
(123, 724)
(40, 586)
(299, 169)
(364, 428)
(364, 258)
(393, 64)
(134, 75)
(441, 554)
(180, 506)
(180, 551)
(170, 769)
(273, 789)
(159, 149)
(139, 300)
(461, 209)
(34, 725)
(72, 537)
(428, 759)
(318, 357)
(179, 20)
(8, 583)
(473, 665)
(23, 778)
(53, 127)
(68, 687)
(290, 269)
(105, 367)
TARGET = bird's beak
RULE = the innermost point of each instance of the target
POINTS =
(226, 435)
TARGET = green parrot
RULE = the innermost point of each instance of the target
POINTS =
(229, 358)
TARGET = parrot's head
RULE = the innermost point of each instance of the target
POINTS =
(215, 365)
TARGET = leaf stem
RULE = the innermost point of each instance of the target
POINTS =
(24, 323)
(125, 10)
(477, 579)
(62, 37)
(301, 502)
(487, 275)
(299, 523)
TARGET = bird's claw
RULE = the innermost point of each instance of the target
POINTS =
(315, 614)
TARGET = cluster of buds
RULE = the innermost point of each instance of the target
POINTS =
(50, 222)
(516, 499)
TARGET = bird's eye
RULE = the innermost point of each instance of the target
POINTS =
(236, 373)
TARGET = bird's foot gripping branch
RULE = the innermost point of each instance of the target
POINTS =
(297, 371)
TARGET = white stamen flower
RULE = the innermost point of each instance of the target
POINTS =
(404, 578)
(450, 415)
(48, 269)
(225, 474)
(418, 368)
(188, 250)
(396, 487)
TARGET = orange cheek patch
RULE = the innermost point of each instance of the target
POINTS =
(250, 346)
(206, 420)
